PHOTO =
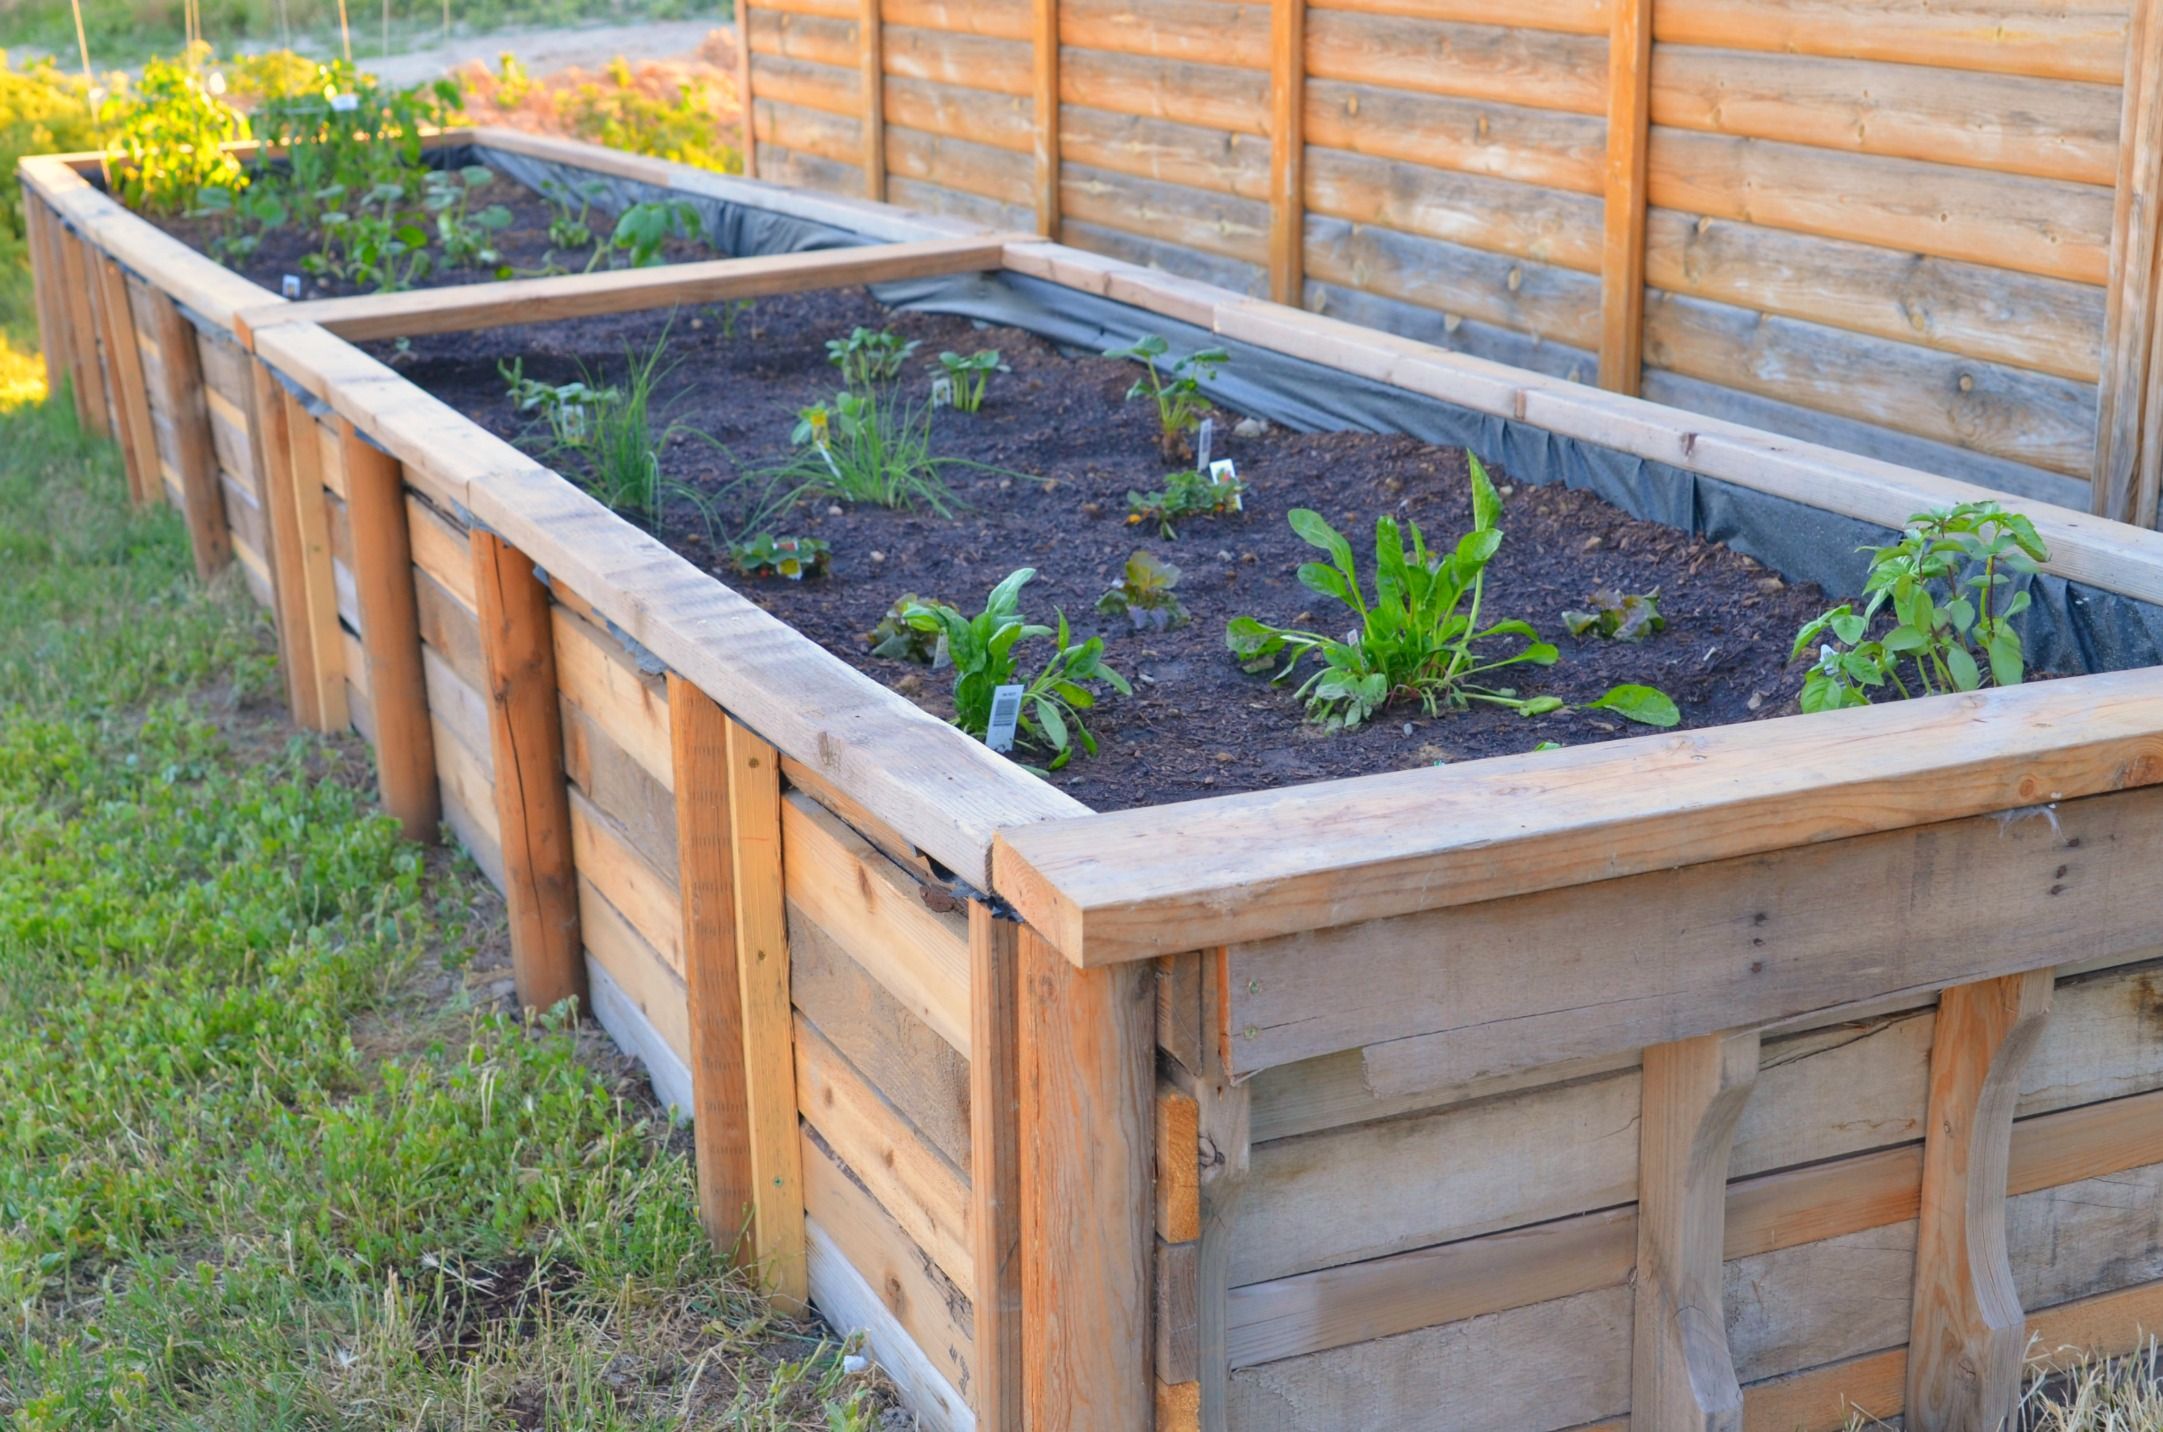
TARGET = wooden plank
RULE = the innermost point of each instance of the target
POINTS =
(390, 636)
(1502, 141)
(1226, 1124)
(1214, 96)
(2133, 284)
(959, 164)
(284, 542)
(47, 281)
(1744, 941)
(896, 846)
(1002, 121)
(762, 963)
(746, 87)
(1215, 223)
(1287, 150)
(1968, 1338)
(532, 804)
(1622, 250)
(629, 705)
(1279, 861)
(871, 80)
(1164, 150)
(995, 1209)
(637, 805)
(76, 259)
(495, 305)
(124, 371)
(807, 84)
(202, 505)
(1680, 1373)
(1558, 307)
(1087, 1074)
(720, 1100)
(1179, 1010)
(825, 39)
(1214, 32)
(1537, 68)
(850, 1305)
(439, 551)
(1000, 66)
(1179, 1166)
(312, 563)
(643, 979)
(1177, 1298)
(1000, 19)
(1493, 214)
(1044, 95)
(643, 893)
(2051, 39)
(1579, 17)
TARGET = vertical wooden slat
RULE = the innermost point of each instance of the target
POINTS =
(195, 460)
(1287, 150)
(1044, 94)
(1224, 1141)
(1968, 1335)
(743, 87)
(1681, 1376)
(390, 635)
(131, 399)
(47, 280)
(871, 65)
(706, 877)
(281, 521)
(1088, 1075)
(83, 323)
(995, 1168)
(2129, 320)
(769, 1039)
(533, 811)
(318, 578)
(1622, 254)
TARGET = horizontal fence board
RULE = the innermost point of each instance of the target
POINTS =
(1220, 224)
(646, 897)
(640, 806)
(243, 516)
(979, 169)
(1236, 275)
(2004, 412)
(850, 1306)
(631, 706)
(1211, 32)
(1519, 294)
(999, 19)
(2046, 324)
(1526, 67)
(1214, 96)
(1579, 17)
(1499, 140)
(2040, 226)
(229, 438)
(1164, 150)
(1001, 66)
(2052, 39)
(817, 39)
(453, 631)
(975, 208)
(1501, 217)
(806, 84)
(643, 977)
(832, 137)
(779, 164)
(2050, 129)
(457, 706)
(830, 9)
(469, 806)
(1002, 121)
(1448, 330)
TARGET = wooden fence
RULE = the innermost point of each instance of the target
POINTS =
(1922, 232)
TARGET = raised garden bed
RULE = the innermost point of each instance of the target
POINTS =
(1353, 1103)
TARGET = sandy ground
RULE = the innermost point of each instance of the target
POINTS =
(544, 50)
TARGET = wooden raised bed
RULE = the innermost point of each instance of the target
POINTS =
(1706, 1079)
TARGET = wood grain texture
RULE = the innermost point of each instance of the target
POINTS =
(1287, 149)
(2051, 39)
(1518, 66)
(124, 374)
(1622, 249)
(871, 81)
(1681, 1375)
(1044, 94)
(76, 262)
(311, 555)
(1968, 1337)
(995, 1208)
(390, 636)
(532, 803)
(1087, 1059)
(284, 540)
(181, 402)
(1491, 137)
(2133, 284)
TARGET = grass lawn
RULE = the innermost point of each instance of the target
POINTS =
(272, 1154)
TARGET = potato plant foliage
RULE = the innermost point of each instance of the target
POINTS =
(1420, 636)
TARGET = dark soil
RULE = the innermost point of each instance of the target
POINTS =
(523, 246)
(1072, 447)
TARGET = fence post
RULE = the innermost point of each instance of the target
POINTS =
(1288, 151)
(743, 88)
(390, 635)
(1968, 1336)
(995, 1167)
(2122, 484)
(82, 318)
(1622, 253)
(533, 806)
(1044, 96)
(871, 67)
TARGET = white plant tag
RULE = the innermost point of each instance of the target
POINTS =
(942, 392)
(289, 285)
(1204, 440)
(1005, 712)
(344, 103)
(1223, 474)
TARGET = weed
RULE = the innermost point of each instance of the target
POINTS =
(966, 377)
(1618, 615)
(982, 649)
(1176, 388)
(867, 357)
(1421, 634)
(1950, 626)
(1186, 493)
(766, 555)
(1145, 595)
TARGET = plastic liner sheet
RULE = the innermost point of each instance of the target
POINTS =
(2071, 628)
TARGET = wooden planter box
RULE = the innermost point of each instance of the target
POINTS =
(1716, 1078)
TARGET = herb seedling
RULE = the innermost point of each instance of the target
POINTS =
(896, 640)
(982, 649)
(1618, 615)
(768, 556)
(1420, 635)
(869, 356)
(466, 237)
(1176, 388)
(967, 376)
(1185, 494)
(1952, 625)
(861, 447)
(1145, 595)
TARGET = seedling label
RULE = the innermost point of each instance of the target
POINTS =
(1005, 711)
(942, 392)
(1204, 439)
(345, 103)
(1223, 474)
(289, 285)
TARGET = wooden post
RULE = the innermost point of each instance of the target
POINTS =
(2130, 317)
(82, 321)
(1968, 1336)
(1088, 1076)
(318, 578)
(533, 807)
(131, 398)
(390, 635)
(1225, 1140)
(1287, 151)
(273, 449)
(769, 1018)
(743, 87)
(995, 1168)
(1622, 254)
(871, 65)
(202, 503)
(1044, 96)
(47, 279)
(1681, 1376)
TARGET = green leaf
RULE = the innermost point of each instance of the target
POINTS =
(1315, 531)
(1962, 665)
(1486, 502)
(1646, 705)
(2006, 663)
(1849, 628)
(1048, 717)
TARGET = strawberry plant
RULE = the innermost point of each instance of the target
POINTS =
(1145, 594)
(893, 638)
(1185, 494)
(1175, 388)
(1936, 599)
(966, 377)
(1421, 635)
(982, 649)
(1618, 615)
(766, 555)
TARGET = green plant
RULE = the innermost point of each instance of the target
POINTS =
(1618, 615)
(643, 228)
(1947, 623)
(866, 356)
(896, 640)
(613, 449)
(1420, 636)
(42, 111)
(731, 313)
(464, 234)
(1145, 595)
(565, 406)
(966, 377)
(861, 447)
(768, 556)
(982, 649)
(1176, 388)
(165, 140)
(1186, 493)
